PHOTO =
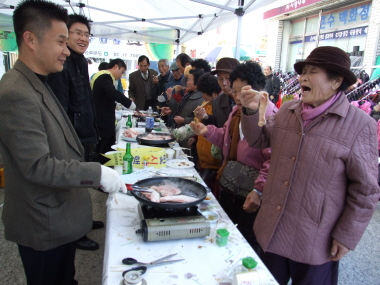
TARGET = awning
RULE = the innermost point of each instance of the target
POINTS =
(154, 21)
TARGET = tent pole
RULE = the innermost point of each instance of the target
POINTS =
(177, 41)
(239, 12)
(238, 39)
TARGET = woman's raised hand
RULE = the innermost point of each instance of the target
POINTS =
(165, 111)
(169, 93)
(200, 113)
(179, 120)
(250, 98)
(198, 128)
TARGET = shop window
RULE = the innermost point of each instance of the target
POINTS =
(297, 28)
(312, 25)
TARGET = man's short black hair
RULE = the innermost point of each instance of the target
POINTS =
(36, 16)
(208, 84)
(103, 66)
(251, 72)
(141, 59)
(201, 64)
(117, 61)
(76, 18)
(196, 73)
(184, 59)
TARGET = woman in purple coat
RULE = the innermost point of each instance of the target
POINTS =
(321, 189)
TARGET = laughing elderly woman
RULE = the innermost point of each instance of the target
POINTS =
(321, 189)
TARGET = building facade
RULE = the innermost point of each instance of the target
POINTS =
(298, 27)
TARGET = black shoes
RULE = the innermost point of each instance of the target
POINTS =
(87, 244)
(97, 225)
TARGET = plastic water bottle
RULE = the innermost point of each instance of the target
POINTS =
(149, 112)
(149, 120)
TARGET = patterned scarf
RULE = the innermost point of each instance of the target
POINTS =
(235, 137)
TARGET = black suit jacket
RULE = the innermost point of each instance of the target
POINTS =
(72, 88)
(105, 95)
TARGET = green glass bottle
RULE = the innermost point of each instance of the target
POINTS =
(128, 160)
(129, 122)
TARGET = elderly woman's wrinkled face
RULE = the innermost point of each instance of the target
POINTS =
(224, 82)
(237, 85)
(317, 88)
(190, 83)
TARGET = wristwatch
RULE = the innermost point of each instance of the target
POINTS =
(258, 192)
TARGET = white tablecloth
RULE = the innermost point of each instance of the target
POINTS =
(205, 262)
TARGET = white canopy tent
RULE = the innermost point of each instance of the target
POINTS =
(155, 21)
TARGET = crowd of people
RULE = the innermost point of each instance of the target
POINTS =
(301, 181)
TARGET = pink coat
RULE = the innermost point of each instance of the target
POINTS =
(256, 158)
(322, 183)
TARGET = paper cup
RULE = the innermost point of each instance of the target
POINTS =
(118, 169)
(169, 153)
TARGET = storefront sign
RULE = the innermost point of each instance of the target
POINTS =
(294, 5)
(339, 34)
(355, 15)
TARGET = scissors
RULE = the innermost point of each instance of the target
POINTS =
(144, 267)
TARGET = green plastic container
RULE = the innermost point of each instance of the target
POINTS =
(222, 237)
(249, 263)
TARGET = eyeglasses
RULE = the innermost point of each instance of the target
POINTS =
(80, 34)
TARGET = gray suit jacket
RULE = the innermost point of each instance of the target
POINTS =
(46, 202)
(136, 90)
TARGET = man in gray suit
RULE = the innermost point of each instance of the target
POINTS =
(47, 206)
(141, 89)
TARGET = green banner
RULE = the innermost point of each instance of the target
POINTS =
(8, 41)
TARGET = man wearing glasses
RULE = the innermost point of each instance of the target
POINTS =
(72, 88)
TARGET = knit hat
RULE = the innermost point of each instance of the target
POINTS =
(225, 64)
(330, 58)
(174, 66)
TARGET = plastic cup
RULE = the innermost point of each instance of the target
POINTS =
(222, 237)
(169, 153)
(178, 152)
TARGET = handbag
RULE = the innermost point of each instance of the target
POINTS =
(238, 178)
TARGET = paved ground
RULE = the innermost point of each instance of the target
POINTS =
(358, 267)
(89, 264)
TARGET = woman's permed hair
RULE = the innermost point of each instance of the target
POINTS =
(251, 72)
(208, 84)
